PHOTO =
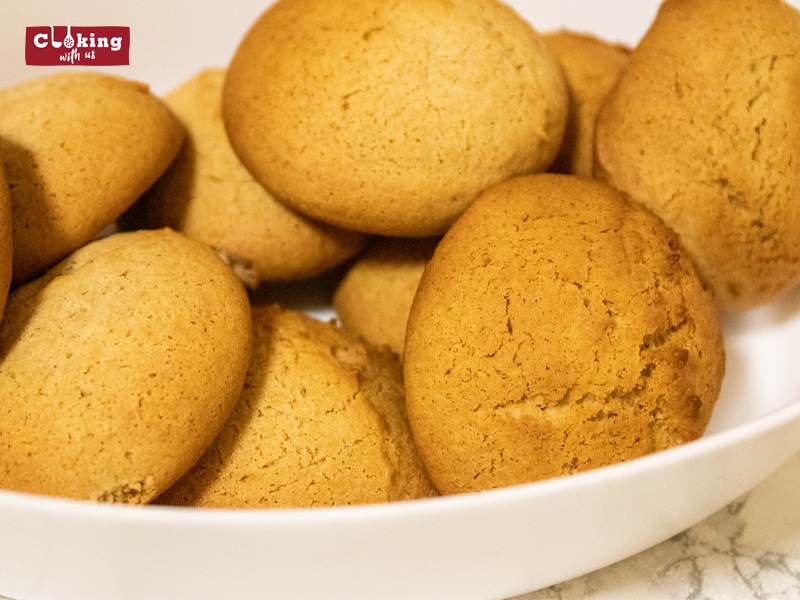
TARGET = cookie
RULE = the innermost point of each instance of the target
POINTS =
(321, 422)
(208, 195)
(696, 129)
(6, 240)
(559, 327)
(390, 118)
(374, 297)
(79, 148)
(119, 366)
(591, 66)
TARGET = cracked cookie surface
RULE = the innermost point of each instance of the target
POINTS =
(559, 327)
(321, 422)
(698, 128)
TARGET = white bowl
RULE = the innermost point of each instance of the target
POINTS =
(484, 545)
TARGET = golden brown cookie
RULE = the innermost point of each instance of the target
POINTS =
(208, 195)
(374, 297)
(559, 327)
(6, 240)
(321, 422)
(79, 148)
(389, 117)
(698, 129)
(119, 366)
(591, 66)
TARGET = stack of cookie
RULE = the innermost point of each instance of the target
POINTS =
(533, 236)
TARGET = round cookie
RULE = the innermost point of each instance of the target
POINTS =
(697, 128)
(390, 118)
(79, 148)
(559, 327)
(119, 366)
(321, 422)
(374, 297)
(6, 240)
(208, 195)
(591, 66)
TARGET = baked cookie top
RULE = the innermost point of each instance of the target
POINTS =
(208, 195)
(698, 128)
(79, 148)
(591, 66)
(321, 422)
(119, 366)
(559, 327)
(389, 117)
(374, 297)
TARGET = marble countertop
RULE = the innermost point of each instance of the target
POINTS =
(749, 550)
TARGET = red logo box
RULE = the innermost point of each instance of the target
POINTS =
(67, 45)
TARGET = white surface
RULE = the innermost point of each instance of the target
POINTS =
(749, 550)
(488, 545)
